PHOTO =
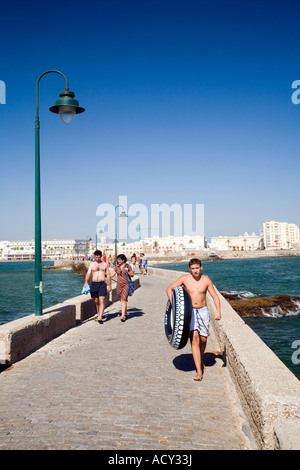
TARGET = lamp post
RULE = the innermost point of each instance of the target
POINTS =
(67, 107)
(88, 244)
(123, 214)
(100, 231)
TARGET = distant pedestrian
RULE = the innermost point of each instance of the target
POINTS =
(144, 263)
(122, 282)
(140, 263)
(98, 288)
(133, 261)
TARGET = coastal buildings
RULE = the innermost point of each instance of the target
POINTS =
(156, 245)
(273, 236)
(237, 242)
(279, 235)
(51, 249)
(73, 248)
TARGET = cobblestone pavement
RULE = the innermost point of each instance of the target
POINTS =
(121, 386)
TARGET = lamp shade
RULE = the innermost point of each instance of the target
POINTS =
(66, 106)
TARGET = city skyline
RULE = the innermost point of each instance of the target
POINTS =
(186, 103)
(129, 241)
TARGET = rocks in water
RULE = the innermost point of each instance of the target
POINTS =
(80, 267)
(276, 306)
(51, 267)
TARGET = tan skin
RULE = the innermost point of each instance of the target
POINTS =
(122, 265)
(197, 285)
(99, 270)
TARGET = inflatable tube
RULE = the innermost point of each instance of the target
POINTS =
(178, 318)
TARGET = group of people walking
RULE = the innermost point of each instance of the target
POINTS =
(195, 283)
(100, 270)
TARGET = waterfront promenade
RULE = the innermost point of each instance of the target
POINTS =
(120, 386)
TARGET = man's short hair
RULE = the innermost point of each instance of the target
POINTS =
(195, 261)
(98, 253)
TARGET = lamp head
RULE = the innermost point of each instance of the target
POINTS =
(66, 106)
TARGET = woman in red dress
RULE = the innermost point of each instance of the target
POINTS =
(122, 282)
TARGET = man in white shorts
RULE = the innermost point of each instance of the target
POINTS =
(197, 285)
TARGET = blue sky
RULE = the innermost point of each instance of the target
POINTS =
(186, 102)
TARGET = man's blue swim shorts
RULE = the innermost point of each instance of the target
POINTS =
(98, 289)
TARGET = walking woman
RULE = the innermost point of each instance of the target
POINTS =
(122, 282)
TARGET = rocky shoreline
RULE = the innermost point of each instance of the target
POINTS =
(277, 306)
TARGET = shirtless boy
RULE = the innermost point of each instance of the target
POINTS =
(98, 288)
(197, 284)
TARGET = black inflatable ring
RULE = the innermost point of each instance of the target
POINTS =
(178, 318)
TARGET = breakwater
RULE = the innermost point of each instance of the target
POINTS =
(21, 337)
(268, 391)
(121, 387)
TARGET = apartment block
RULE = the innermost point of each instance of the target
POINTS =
(279, 235)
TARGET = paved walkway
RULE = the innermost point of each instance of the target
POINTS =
(120, 386)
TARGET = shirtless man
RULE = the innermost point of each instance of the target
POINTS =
(98, 288)
(197, 284)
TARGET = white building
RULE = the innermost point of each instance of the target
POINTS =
(244, 242)
(3, 249)
(279, 235)
(171, 244)
(51, 249)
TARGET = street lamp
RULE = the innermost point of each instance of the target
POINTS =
(100, 231)
(122, 214)
(67, 107)
(88, 243)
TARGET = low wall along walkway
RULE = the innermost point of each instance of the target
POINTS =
(21, 337)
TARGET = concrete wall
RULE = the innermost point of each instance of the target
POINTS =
(21, 337)
(268, 390)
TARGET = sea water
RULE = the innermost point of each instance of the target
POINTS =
(261, 277)
(17, 288)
